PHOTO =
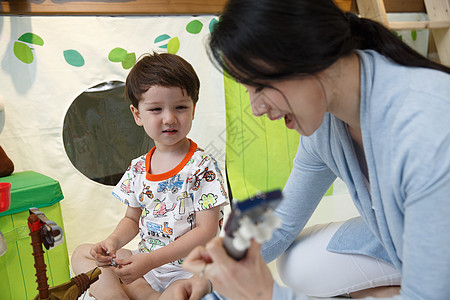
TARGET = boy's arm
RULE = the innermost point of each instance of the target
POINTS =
(206, 226)
(124, 232)
(127, 228)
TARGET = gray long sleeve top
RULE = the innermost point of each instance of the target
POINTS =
(405, 125)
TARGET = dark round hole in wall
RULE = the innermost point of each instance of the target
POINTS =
(100, 135)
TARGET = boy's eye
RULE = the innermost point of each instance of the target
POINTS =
(155, 109)
(181, 107)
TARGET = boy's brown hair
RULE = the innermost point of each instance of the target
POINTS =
(163, 69)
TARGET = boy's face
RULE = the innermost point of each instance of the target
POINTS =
(166, 113)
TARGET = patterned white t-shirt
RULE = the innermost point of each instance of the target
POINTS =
(169, 200)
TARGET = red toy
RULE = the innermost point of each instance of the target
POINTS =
(5, 196)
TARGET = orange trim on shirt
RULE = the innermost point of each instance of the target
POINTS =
(174, 171)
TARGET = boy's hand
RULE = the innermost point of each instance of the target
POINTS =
(103, 252)
(133, 267)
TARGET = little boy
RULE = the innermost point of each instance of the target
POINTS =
(174, 193)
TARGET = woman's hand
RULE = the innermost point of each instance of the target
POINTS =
(193, 288)
(133, 267)
(249, 278)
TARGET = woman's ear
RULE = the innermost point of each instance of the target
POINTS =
(136, 115)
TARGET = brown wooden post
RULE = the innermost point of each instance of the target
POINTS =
(34, 224)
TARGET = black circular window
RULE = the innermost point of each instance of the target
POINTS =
(100, 135)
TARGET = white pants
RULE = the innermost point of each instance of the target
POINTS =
(160, 278)
(307, 266)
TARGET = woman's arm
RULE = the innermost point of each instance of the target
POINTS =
(308, 182)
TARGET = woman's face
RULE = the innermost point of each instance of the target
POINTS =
(300, 101)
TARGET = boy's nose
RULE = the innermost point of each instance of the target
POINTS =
(169, 118)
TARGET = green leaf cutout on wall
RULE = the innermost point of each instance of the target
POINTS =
(161, 41)
(32, 39)
(414, 35)
(194, 27)
(129, 61)
(73, 58)
(117, 54)
(23, 52)
(173, 46)
(212, 24)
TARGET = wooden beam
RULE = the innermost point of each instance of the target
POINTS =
(117, 7)
(125, 7)
(419, 25)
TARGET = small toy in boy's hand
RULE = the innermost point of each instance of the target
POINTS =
(113, 263)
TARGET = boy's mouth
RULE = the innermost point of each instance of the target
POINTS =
(170, 131)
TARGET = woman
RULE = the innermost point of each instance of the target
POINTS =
(371, 111)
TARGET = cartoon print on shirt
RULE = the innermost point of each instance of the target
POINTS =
(153, 244)
(222, 190)
(142, 247)
(125, 186)
(181, 199)
(191, 218)
(141, 233)
(139, 167)
(207, 201)
(205, 158)
(145, 191)
(172, 184)
(145, 212)
(159, 230)
(197, 177)
(160, 209)
(216, 165)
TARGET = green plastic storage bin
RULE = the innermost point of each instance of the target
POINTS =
(17, 272)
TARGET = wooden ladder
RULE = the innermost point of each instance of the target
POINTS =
(438, 23)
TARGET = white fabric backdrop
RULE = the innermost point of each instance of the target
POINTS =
(37, 96)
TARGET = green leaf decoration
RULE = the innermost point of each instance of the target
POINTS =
(414, 35)
(129, 61)
(23, 52)
(194, 27)
(117, 55)
(161, 38)
(162, 41)
(73, 58)
(173, 46)
(32, 39)
(397, 34)
(212, 24)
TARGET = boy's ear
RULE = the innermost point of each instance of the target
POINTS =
(136, 115)
(193, 111)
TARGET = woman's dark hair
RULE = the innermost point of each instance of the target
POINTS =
(295, 37)
(163, 69)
